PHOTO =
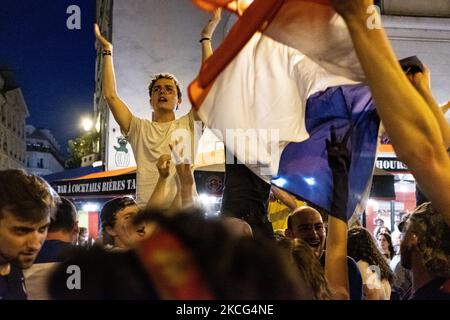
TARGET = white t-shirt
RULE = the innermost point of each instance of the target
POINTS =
(149, 140)
(372, 279)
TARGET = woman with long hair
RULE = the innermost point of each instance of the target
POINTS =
(375, 271)
(384, 242)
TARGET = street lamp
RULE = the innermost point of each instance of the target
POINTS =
(87, 124)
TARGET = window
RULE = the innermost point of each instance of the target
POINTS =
(40, 163)
(3, 113)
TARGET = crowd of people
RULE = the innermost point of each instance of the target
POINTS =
(162, 246)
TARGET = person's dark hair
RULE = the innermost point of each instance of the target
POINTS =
(108, 215)
(362, 246)
(308, 265)
(402, 223)
(388, 238)
(233, 268)
(228, 263)
(106, 275)
(65, 217)
(27, 197)
(110, 209)
(169, 76)
(83, 230)
(384, 230)
(434, 237)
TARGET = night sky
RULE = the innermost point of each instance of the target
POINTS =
(54, 66)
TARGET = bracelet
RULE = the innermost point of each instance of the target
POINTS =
(203, 39)
(106, 53)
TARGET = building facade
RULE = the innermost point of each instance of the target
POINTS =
(101, 110)
(13, 112)
(43, 152)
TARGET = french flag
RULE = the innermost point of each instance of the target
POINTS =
(287, 72)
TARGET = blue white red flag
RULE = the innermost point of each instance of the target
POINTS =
(285, 73)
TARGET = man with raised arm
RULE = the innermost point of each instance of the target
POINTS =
(420, 138)
(411, 124)
(149, 139)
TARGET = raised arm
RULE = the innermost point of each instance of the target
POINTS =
(119, 109)
(411, 125)
(184, 172)
(207, 34)
(157, 198)
(422, 81)
(336, 268)
(186, 186)
(287, 199)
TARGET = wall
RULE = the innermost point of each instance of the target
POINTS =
(49, 163)
(13, 111)
(429, 39)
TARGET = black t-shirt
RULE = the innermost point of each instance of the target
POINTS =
(432, 291)
(12, 286)
(53, 251)
(244, 191)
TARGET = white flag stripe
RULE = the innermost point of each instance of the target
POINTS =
(265, 87)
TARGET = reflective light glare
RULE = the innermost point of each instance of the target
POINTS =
(310, 181)
(279, 182)
(205, 199)
(374, 204)
(86, 123)
(91, 207)
(97, 164)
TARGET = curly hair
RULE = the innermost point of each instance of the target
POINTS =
(362, 246)
(309, 266)
(169, 76)
(434, 239)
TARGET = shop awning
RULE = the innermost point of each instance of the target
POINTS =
(98, 184)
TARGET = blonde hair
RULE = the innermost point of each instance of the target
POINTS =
(308, 265)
